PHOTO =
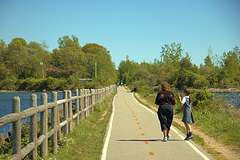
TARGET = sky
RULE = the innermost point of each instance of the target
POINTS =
(135, 28)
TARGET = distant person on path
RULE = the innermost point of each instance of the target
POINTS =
(166, 100)
(187, 113)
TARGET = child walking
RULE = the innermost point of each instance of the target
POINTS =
(187, 113)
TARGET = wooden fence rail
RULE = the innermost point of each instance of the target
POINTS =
(48, 127)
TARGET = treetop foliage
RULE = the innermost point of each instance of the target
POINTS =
(176, 67)
(30, 63)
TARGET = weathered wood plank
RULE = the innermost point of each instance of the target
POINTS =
(44, 128)
(65, 110)
(63, 123)
(55, 123)
(70, 110)
(77, 106)
(17, 129)
(23, 114)
(82, 103)
(33, 129)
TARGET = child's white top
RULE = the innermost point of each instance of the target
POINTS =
(184, 99)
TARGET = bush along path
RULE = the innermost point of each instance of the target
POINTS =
(86, 140)
(217, 149)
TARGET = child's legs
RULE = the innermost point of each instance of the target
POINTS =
(188, 127)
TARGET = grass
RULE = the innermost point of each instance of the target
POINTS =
(196, 138)
(200, 141)
(86, 140)
(220, 121)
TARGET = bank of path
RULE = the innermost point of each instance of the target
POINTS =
(134, 134)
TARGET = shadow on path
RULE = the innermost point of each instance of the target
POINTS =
(150, 140)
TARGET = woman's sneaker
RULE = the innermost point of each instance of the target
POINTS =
(189, 136)
(165, 139)
(168, 138)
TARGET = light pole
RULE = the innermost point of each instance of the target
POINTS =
(41, 63)
(95, 70)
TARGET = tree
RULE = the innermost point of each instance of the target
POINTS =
(3, 48)
(231, 66)
(68, 58)
(16, 58)
(105, 69)
(171, 55)
(127, 70)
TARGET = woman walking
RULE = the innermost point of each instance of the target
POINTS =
(187, 113)
(165, 99)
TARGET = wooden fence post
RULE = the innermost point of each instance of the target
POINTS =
(58, 122)
(101, 95)
(55, 123)
(88, 102)
(92, 99)
(33, 128)
(85, 103)
(96, 91)
(70, 111)
(17, 129)
(65, 108)
(77, 105)
(82, 103)
(44, 127)
(98, 95)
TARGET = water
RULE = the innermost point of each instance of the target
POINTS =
(231, 98)
(6, 103)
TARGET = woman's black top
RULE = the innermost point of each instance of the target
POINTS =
(165, 97)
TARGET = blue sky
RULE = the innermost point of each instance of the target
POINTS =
(128, 27)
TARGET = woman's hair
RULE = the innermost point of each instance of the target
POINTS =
(165, 86)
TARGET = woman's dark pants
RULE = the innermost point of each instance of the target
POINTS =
(165, 116)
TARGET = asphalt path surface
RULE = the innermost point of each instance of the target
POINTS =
(134, 134)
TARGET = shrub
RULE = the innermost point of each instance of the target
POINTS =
(200, 97)
(41, 84)
(200, 82)
(8, 84)
(55, 84)
(29, 84)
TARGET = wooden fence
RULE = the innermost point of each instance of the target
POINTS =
(48, 127)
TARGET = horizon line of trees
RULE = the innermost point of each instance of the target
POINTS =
(30, 66)
(175, 67)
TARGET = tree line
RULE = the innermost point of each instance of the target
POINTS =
(30, 66)
(175, 67)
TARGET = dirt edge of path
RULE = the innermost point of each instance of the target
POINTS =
(216, 149)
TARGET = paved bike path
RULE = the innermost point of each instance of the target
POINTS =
(135, 135)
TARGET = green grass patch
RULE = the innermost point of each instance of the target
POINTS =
(196, 138)
(200, 141)
(220, 121)
(86, 140)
